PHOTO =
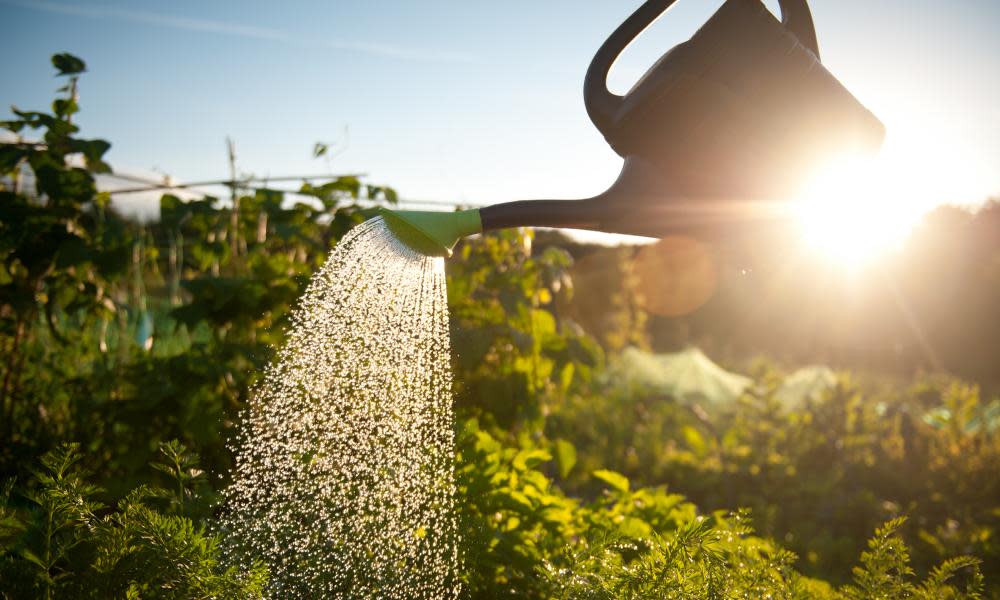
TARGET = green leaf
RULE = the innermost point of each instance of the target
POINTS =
(519, 501)
(67, 64)
(93, 151)
(694, 440)
(566, 377)
(485, 443)
(31, 557)
(64, 107)
(542, 323)
(529, 459)
(10, 156)
(565, 457)
(615, 480)
(635, 528)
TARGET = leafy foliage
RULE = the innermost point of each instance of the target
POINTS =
(126, 344)
(525, 537)
(59, 542)
(129, 335)
(512, 355)
(820, 477)
(885, 571)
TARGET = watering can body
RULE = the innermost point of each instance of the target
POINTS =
(717, 134)
(741, 110)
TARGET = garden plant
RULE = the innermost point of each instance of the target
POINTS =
(129, 350)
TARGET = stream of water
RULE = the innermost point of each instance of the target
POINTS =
(343, 483)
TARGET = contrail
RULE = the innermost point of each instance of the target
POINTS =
(239, 30)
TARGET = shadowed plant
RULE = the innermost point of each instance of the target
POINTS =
(57, 541)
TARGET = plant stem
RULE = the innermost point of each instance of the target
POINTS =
(47, 559)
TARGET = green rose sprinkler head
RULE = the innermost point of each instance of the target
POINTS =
(432, 233)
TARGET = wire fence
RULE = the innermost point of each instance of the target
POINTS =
(222, 186)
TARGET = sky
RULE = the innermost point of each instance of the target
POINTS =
(468, 102)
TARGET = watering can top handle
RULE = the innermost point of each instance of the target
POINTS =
(602, 104)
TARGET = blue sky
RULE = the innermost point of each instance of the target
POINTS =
(475, 102)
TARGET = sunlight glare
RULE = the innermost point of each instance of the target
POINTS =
(858, 208)
(850, 213)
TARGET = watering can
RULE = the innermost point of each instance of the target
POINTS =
(716, 137)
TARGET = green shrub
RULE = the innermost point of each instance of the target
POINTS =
(59, 542)
(524, 537)
(819, 478)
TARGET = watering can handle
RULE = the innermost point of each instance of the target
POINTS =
(602, 104)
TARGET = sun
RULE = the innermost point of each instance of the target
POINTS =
(851, 212)
(858, 208)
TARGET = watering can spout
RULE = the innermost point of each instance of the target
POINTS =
(640, 202)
